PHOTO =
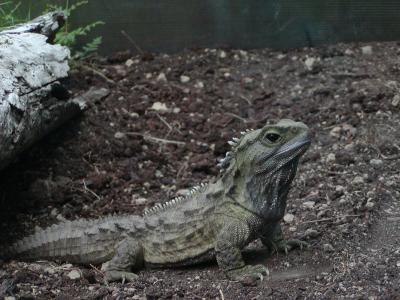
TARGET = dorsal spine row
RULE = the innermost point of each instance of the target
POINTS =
(162, 206)
(224, 162)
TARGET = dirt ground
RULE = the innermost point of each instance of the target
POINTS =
(167, 120)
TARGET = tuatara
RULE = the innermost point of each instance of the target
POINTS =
(217, 219)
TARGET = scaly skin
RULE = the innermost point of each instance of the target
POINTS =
(215, 220)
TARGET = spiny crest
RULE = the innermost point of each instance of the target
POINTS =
(224, 162)
(172, 203)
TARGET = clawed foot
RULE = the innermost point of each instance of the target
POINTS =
(120, 276)
(287, 245)
(248, 272)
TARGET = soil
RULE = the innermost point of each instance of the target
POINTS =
(167, 120)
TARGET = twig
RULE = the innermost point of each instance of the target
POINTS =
(165, 122)
(97, 270)
(130, 39)
(246, 99)
(222, 294)
(239, 117)
(156, 139)
(329, 219)
(97, 72)
(90, 191)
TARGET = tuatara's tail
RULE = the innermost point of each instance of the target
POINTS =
(80, 241)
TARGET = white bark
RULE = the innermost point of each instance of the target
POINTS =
(32, 100)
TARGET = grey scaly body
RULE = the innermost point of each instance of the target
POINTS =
(215, 220)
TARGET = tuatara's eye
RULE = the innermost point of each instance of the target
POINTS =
(272, 137)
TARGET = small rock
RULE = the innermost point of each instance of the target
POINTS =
(139, 200)
(54, 212)
(119, 135)
(331, 157)
(358, 180)
(376, 162)
(159, 174)
(396, 100)
(288, 218)
(134, 115)
(121, 98)
(309, 204)
(335, 131)
(162, 78)
(398, 264)
(50, 270)
(74, 274)
(366, 50)
(247, 80)
(199, 85)
(369, 205)
(9, 298)
(184, 79)
(176, 110)
(222, 54)
(311, 233)
(60, 218)
(340, 189)
(349, 147)
(309, 62)
(349, 52)
(158, 106)
(129, 62)
(328, 248)
(281, 56)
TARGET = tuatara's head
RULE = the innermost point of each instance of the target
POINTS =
(262, 165)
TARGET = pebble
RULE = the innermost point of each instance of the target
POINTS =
(396, 100)
(139, 201)
(340, 188)
(309, 204)
(50, 270)
(376, 162)
(369, 204)
(335, 131)
(312, 233)
(199, 85)
(358, 180)
(398, 264)
(366, 50)
(74, 274)
(331, 157)
(309, 62)
(162, 78)
(328, 248)
(158, 106)
(119, 135)
(349, 52)
(222, 54)
(247, 80)
(184, 79)
(129, 62)
(288, 218)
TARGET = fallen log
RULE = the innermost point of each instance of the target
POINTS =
(33, 101)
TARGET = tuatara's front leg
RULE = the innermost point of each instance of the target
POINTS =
(231, 239)
(275, 241)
